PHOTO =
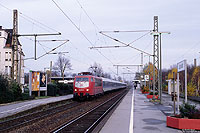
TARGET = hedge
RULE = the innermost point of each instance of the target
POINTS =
(9, 90)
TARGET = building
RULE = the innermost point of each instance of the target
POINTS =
(6, 55)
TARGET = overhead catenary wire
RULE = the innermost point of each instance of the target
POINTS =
(117, 31)
(139, 38)
(52, 49)
(187, 51)
(117, 46)
(87, 14)
(125, 43)
(79, 61)
(37, 23)
(38, 41)
(31, 20)
(96, 27)
(73, 45)
(79, 30)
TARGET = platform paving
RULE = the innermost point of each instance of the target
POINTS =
(119, 122)
(139, 116)
(13, 108)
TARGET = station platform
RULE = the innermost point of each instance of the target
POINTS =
(16, 107)
(137, 114)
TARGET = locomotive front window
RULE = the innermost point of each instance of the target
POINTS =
(82, 79)
(82, 82)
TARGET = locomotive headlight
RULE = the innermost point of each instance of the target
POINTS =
(75, 90)
(87, 89)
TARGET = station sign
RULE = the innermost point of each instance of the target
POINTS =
(181, 66)
(146, 77)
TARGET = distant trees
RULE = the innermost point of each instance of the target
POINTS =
(193, 78)
(61, 65)
(107, 75)
(96, 69)
(170, 74)
(119, 78)
(148, 68)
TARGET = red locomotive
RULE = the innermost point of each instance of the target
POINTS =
(86, 86)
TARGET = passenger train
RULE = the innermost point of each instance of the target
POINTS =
(86, 86)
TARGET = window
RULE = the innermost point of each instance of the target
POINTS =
(82, 79)
(9, 70)
(98, 82)
(6, 56)
(9, 56)
(6, 69)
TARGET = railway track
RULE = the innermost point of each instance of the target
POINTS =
(89, 120)
(15, 123)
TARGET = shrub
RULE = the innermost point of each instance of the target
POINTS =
(9, 90)
(165, 87)
(52, 89)
(145, 89)
(191, 89)
(17, 92)
(190, 111)
(25, 96)
(65, 89)
(151, 93)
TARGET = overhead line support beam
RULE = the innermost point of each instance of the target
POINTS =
(35, 35)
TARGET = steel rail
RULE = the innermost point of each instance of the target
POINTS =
(91, 127)
(37, 114)
(104, 114)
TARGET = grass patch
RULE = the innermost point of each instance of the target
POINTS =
(42, 97)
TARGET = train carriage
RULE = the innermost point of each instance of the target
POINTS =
(86, 86)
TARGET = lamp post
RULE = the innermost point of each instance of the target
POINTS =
(160, 72)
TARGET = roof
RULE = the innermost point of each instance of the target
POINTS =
(110, 80)
(61, 78)
(9, 38)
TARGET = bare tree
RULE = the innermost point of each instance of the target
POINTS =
(107, 75)
(55, 73)
(62, 64)
(119, 78)
(96, 69)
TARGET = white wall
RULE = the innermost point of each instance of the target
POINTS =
(5, 53)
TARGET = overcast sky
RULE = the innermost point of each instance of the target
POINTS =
(180, 17)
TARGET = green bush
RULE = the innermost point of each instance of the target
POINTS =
(189, 111)
(26, 90)
(191, 89)
(17, 92)
(145, 89)
(25, 96)
(9, 90)
(151, 93)
(65, 89)
(52, 89)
